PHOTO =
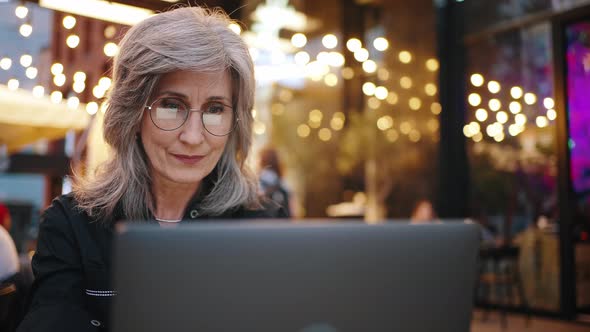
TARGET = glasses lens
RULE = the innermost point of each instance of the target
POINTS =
(168, 113)
(218, 119)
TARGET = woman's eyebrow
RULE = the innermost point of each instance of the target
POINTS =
(217, 98)
(173, 93)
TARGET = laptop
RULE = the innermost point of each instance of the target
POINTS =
(295, 277)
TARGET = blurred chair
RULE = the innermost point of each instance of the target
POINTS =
(500, 281)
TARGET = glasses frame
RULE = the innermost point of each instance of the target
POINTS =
(191, 110)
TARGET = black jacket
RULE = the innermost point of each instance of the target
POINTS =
(72, 289)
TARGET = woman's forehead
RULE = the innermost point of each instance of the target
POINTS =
(196, 85)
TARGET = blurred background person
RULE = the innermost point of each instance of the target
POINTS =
(271, 179)
(423, 213)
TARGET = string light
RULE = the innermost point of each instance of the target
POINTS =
(69, 22)
(347, 73)
(330, 41)
(335, 59)
(415, 103)
(12, 84)
(520, 119)
(502, 117)
(383, 74)
(331, 80)
(369, 88)
(59, 79)
(385, 122)
(25, 29)
(21, 11)
(551, 114)
(481, 114)
(73, 41)
(73, 103)
(494, 87)
(430, 89)
(515, 107)
(380, 44)
(301, 58)
(26, 60)
(104, 82)
(381, 92)
(477, 80)
(111, 49)
(549, 103)
(432, 64)
(361, 55)
(392, 98)
(353, 45)
(298, 40)
(38, 91)
(542, 121)
(92, 108)
(405, 56)
(530, 98)
(79, 76)
(370, 66)
(79, 86)
(5, 63)
(494, 104)
(57, 68)
(516, 92)
(374, 103)
(405, 82)
(31, 72)
(474, 99)
(56, 97)
(303, 130)
(325, 134)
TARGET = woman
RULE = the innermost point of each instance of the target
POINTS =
(179, 125)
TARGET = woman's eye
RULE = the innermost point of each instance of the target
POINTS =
(214, 108)
(170, 104)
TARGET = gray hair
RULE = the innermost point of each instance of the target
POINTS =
(193, 39)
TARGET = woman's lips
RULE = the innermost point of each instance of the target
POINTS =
(188, 159)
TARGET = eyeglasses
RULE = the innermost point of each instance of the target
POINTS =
(171, 113)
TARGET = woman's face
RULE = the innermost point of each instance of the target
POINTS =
(188, 154)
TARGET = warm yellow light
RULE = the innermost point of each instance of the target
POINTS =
(57, 68)
(361, 55)
(494, 104)
(383, 74)
(5, 63)
(405, 57)
(110, 31)
(103, 107)
(325, 134)
(56, 97)
(25, 29)
(303, 130)
(104, 82)
(31, 72)
(337, 123)
(78, 86)
(331, 80)
(405, 127)
(392, 135)
(477, 80)
(405, 82)
(494, 87)
(298, 40)
(301, 58)
(347, 73)
(530, 98)
(26, 60)
(330, 41)
(259, 128)
(38, 91)
(236, 28)
(92, 108)
(73, 103)
(516, 92)
(520, 119)
(515, 107)
(369, 88)
(101, 10)
(494, 129)
(499, 138)
(12, 84)
(432, 124)
(374, 103)
(59, 79)
(353, 45)
(467, 131)
(286, 95)
(502, 117)
(21, 11)
(430, 89)
(542, 121)
(380, 44)
(414, 136)
(385, 122)
(369, 66)
(481, 114)
(277, 109)
(415, 103)
(69, 22)
(551, 114)
(432, 64)
(435, 108)
(111, 49)
(315, 115)
(474, 99)
(474, 127)
(381, 92)
(477, 137)
(549, 103)
(98, 92)
(73, 41)
(79, 76)
(336, 59)
(392, 98)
